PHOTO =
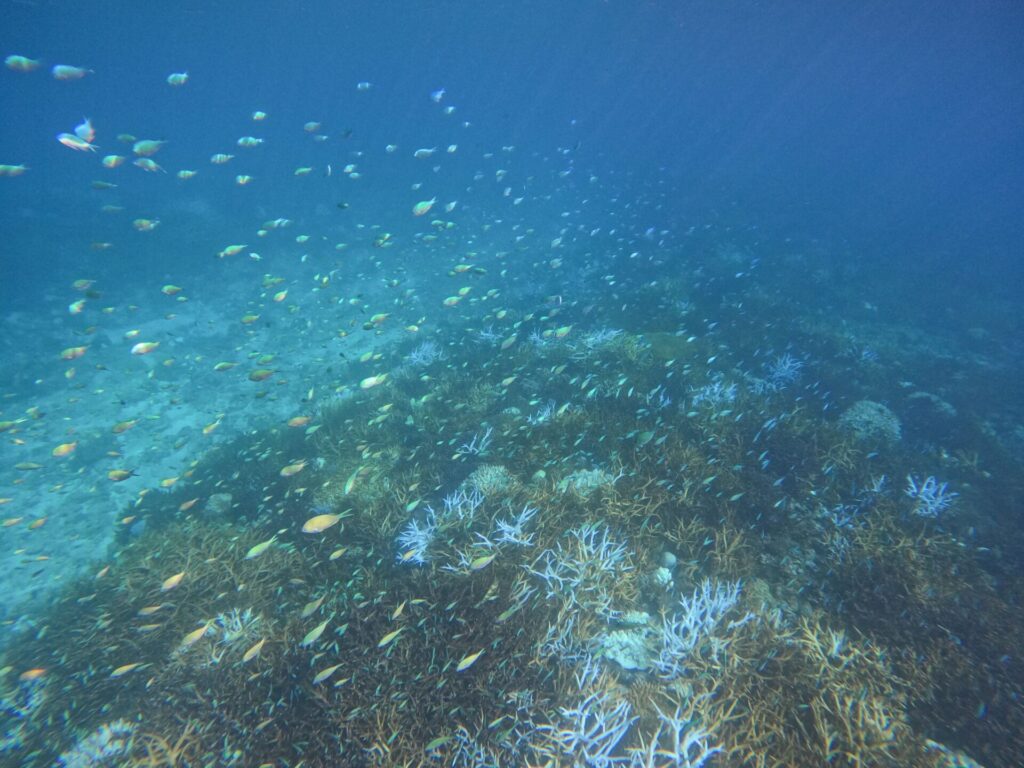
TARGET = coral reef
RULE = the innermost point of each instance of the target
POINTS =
(602, 565)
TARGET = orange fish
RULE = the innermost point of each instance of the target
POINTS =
(299, 421)
(38, 523)
(185, 506)
(171, 582)
(32, 674)
(119, 475)
(124, 426)
(72, 353)
(64, 449)
(293, 469)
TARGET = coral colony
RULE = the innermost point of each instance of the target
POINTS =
(632, 560)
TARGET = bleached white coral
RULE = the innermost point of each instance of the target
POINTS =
(101, 747)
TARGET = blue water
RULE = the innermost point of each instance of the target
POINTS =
(836, 184)
(894, 127)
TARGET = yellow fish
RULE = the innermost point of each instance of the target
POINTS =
(64, 449)
(324, 674)
(253, 652)
(124, 669)
(372, 381)
(314, 634)
(389, 638)
(260, 548)
(293, 469)
(320, 523)
(482, 561)
(468, 661)
(172, 581)
(193, 637)
(310, 608)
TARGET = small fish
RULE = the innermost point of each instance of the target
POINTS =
(194, 636)
(324, 674)
(320, 523)
(398, 611)
(32, 674)
(147, 147)
(350, 483)
(64, 449)
(253, 652)
(299, 421)
(177, 78)
(73, 142)
(68, 72)
(468, 661)
(260, 548)
(423, 207)
(310, 608)
(372, 381)
(119, 475)
(314, 634)
(389, 638)
(145, 347)
(85, 131)
(21, 63)
(293, 469)
(479, 563)
(149, 165)
(171, 582)
(124, 669)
